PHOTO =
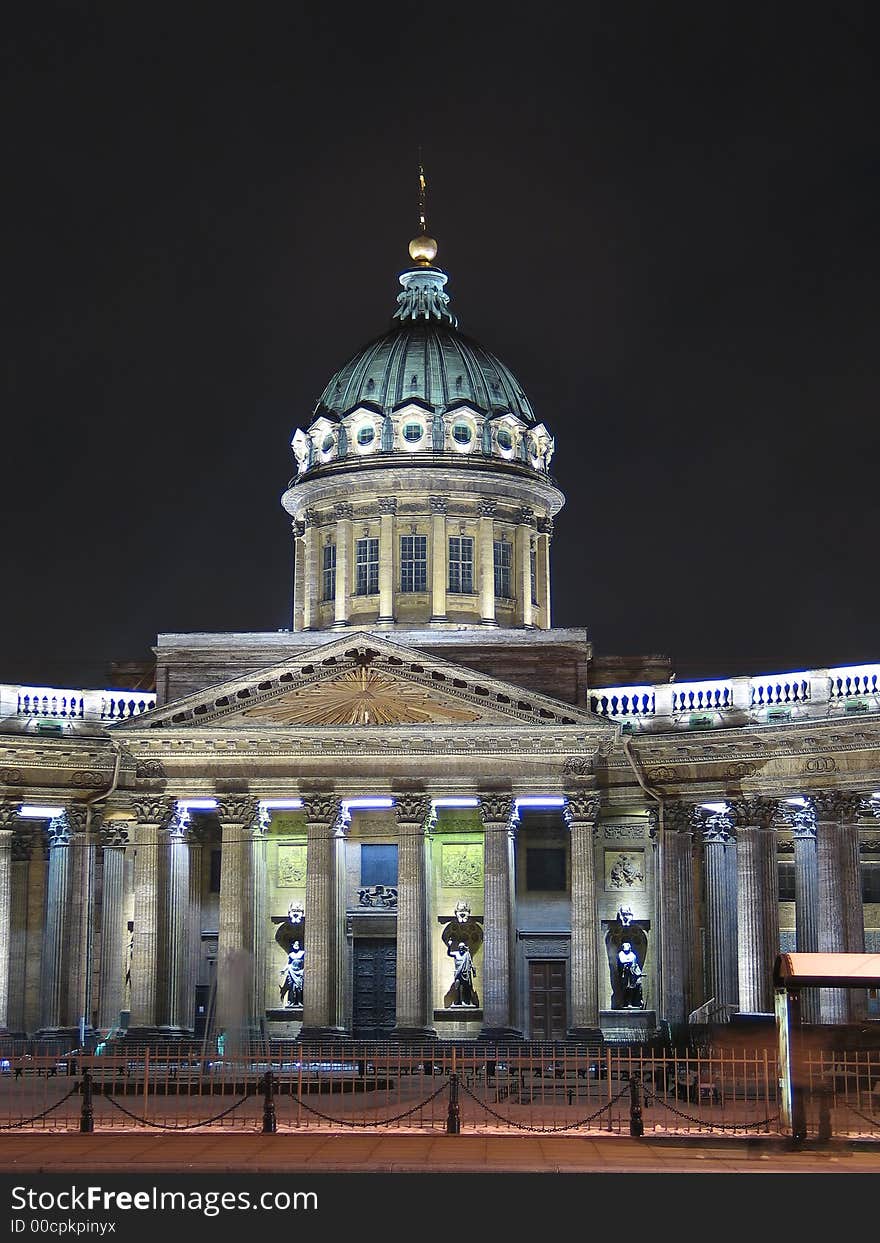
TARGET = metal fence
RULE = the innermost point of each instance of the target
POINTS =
(472, 1088)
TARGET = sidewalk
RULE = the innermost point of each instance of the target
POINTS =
(249, 1153)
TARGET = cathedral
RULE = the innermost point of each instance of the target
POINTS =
(424, 812)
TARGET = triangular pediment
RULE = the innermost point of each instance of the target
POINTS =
(363, 680)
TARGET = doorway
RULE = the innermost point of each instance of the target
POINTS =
(547, 1006)
(375, 987)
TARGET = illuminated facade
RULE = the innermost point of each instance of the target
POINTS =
(424, 763)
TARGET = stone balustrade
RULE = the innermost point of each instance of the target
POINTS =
(64, 704)
(764, 698)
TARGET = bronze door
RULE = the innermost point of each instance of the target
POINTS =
(547, 1015)
(375, 986)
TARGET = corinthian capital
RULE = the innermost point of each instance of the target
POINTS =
(116, 833)
(59, 830)
(439, 504)
(343, 509)
(237, 809)
(413, 807)
(22, 844)
(9, 815)
(387, 504)
(153, 810)
(682, 817)
(581, 807)
(321, 809)
(496, 808)
(752, 813)
(717, 828)
(837, 805)
(486, 509)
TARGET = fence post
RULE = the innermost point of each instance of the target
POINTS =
(270, 1122)
(87, 1113)
(453, 1114)
(636, 1125)
(823, 1131)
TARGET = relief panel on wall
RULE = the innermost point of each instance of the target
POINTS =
(461, 866)
(624, 870)
(291, 866)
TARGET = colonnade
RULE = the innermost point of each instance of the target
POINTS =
(721, 859)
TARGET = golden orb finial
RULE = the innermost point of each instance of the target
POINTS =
(423, 250)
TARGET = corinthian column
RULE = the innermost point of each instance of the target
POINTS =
(499, 825)
(387, 510)
(581, 815)
(675, 859)
(525, 533)
(545, 534)
(343, 512)
(8, 821)
(175, 937)
(147, 965)
(237, 924)
(439, 558)
(115, 836)
(486, 566)
(719, 873)
(841, 928)
(757, 901)
(323, 818)
(412, 811)
(22, 847)
(806, 897)
(57, 940)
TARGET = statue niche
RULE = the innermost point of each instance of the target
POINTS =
(461, 929)
(626, 944)
(290, 935)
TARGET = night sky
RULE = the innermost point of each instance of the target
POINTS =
(665, 222)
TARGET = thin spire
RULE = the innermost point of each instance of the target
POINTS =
(423, 224)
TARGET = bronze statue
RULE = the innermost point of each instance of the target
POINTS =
(463, 979)
(293, 976)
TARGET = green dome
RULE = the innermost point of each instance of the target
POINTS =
(424, 358)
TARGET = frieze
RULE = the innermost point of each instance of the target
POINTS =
(148, 769)
(577, 766)
(10, 776)
(86, 777)
(545, 947)
(623, 832)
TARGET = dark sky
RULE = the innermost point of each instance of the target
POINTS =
(665, 222)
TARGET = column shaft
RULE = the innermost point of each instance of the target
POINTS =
(581, 815)
(114, 936)
(145, 936)
(757, 916)
(719, 872)
(311, 608)
(175, 930)
(343, 565)
(806, 897)
(439, 559)
(320, 915)
(486, 570)
(238, 973)
(299, 577)
(524, 535)
(677, 917)
(411, 1005)
(5, 923)
(497, 814)
(55, 942)
(18, 930)
(387, 507)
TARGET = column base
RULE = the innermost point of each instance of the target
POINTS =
(414, 1035)
(499, 1035)
(489, 622)
(339, 625)
(440, 617)
(63, 1033)
(584, 1035)
(322, 1035)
